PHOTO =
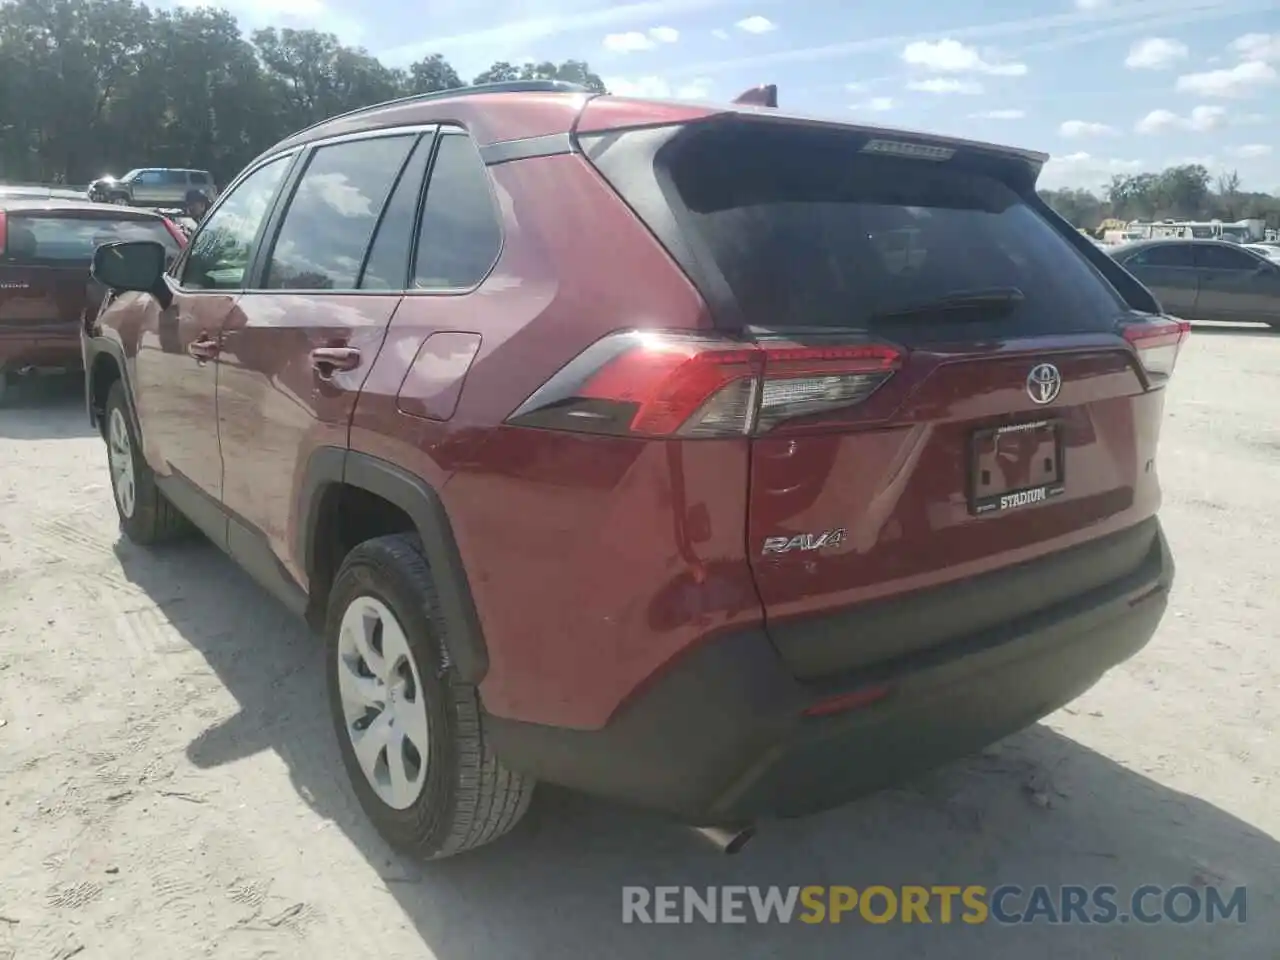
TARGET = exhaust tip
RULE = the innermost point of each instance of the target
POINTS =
(728, 840)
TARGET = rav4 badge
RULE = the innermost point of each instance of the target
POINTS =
(803, 542)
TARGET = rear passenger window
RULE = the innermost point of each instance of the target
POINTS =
(1224, 258)
(1169, 255)
(330, 220)
(388, 264)
(199, 177)
(461, 235)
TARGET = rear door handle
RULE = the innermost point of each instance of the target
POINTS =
(204, 349)
(328, 360)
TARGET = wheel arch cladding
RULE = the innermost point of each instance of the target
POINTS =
(330, 469)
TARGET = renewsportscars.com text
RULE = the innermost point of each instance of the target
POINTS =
(971, 904)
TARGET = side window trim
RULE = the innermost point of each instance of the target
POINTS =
(270, 234)
(410, 287)
(291, 162)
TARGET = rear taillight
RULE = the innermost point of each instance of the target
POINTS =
(1157, 343)
(175, 231)
(4, 233)
(669, 384)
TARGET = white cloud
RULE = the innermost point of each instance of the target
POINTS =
(952, 56)
(1091, 4)
(1250, 151)
(757, 24)
(874, 105)
(946, 85)
(1242, 80)
(627, 42)
(1155, 53)
(512, 31)
(1201, 120)
(1067, 28)
(658, 88)
(1085, 170)
(998, 115)
(1258, 46)
(1084, 128)
(634, 41)
(720, 34)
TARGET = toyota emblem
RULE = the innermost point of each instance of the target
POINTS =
(1043, 383)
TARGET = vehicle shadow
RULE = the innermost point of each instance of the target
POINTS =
(44, 408)
(1259, 330)
(1038, 808)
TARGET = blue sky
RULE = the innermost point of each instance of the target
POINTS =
(1105, 86)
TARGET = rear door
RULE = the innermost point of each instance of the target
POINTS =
(966, 403)
(1234, 285)
(147, 187)
(303, 338)
(1169, 271)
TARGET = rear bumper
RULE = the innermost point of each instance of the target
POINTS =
(722, 737)
(51, 346)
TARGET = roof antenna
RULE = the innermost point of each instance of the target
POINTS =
(765, 95)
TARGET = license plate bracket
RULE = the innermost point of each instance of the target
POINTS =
(1015, 465)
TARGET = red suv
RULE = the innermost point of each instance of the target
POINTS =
(713, 459)
(46, 247)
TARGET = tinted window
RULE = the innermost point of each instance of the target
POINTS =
(1224, 258)
(222, 248)
(73, 239)
(331, 217)
(1166, 255)
(174, 176)
(807, 230)
(461, 235)
(198, 177)
(388, 265)
(150, 177)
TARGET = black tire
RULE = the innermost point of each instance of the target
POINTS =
(468, 797)
(153, 519)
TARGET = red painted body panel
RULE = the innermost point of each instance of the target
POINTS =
(274, 409)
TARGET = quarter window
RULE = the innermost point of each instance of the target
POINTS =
(331, 218)
(223, 247)
(461, 235)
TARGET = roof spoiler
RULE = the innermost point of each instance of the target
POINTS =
(765, 95)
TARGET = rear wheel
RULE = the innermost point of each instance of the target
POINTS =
(408, 728)
(146, 517)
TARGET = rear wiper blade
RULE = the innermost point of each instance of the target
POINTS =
(1002, 298)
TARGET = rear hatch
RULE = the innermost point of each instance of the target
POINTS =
(45, 254)
(956, 414)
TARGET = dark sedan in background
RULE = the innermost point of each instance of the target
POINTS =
(1206, 279)
(46, 247)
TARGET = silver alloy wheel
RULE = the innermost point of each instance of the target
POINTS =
(120, 456)
(383, 707)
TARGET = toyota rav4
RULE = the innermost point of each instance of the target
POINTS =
(714, 459)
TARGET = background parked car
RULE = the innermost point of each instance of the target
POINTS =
(1206, 279)
(46, 247)
(152, 187)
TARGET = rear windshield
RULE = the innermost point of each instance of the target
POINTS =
(809, 232)
(66, 239)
